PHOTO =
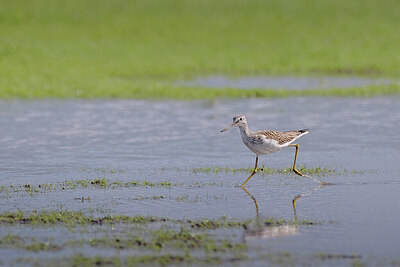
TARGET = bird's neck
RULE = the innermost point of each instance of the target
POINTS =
(244, 130)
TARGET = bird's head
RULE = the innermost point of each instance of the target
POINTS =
(239, 120)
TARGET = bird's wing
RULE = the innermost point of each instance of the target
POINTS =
(281, 137)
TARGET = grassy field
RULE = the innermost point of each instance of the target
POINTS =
(137, 49)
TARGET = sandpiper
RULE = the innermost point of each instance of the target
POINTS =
(266, 142)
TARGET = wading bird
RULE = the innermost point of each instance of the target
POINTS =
(266, 142)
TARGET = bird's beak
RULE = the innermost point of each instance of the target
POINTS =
(228, 127)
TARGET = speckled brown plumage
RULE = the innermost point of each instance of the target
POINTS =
(281, 137)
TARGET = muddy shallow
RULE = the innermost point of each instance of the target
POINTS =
(52, 141)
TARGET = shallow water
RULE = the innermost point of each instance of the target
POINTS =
(51, 141)
(285, 82)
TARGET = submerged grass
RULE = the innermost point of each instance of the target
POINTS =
(159, 240)
(73, 218)
(137, 49)
(100, 183)
(146, 240)
(168, 241)
(279, 258)
(106, 183)
(316, 171)
(70, 218)
(140, 260)
(166, 246)
(155, 242)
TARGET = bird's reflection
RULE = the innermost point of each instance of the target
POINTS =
(264, 229)
(267, 232)
(254, 199)
(308, 193)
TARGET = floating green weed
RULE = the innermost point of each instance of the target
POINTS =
(165, 183)
(62, 217)
(11, 240)
(155, 197)
(142, 260)
(101, 182)
(331, 256)
(36, 247)
(316, 171)
(71, 218)
(154, 241)
(282, 259)
(182, 198)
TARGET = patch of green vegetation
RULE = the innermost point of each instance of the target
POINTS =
(142, 260)
(137, 49)
(395, 262)
(282, 259)
(36, 247)
(330, 256)
(72, 218)
(161, 260)
(155, 197)
(119, 242)
(191, 93)
(165, 183)
(182, 198)
(14, 241)
(10, 240)
(52, 217)
(102, 170)
(186, 240)
(156, 240)
(101, 182)
(69, 218)
(358, 263)
(260, 222)
(317, 171)
(222, 223)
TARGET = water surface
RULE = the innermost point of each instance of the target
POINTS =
(50, 141)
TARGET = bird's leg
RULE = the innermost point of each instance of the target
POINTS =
(299, 173)
(295, 159)
(251, 175)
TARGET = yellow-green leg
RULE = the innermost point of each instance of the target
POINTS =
(251, 175)
(295, 159)
(299, 173)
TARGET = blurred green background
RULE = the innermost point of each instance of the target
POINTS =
(138, 49)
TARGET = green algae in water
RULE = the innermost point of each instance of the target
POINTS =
(316, 171)
(107, 183)
(71, 218)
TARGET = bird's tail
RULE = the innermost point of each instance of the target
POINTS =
(304, 130)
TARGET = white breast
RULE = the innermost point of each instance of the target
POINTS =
(260, 145)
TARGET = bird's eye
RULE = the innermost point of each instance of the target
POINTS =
(241, 119)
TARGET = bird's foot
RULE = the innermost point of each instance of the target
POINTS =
(297, 172)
